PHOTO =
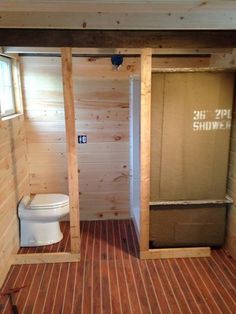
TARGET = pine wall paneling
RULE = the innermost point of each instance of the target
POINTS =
(102, 110)
(102, 101)
(14, 183)
(102, 113)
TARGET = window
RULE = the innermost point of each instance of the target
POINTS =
(7, 98)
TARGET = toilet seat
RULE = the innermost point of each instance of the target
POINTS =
(43, 207)
(48, 201)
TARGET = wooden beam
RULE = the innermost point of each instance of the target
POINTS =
(117, 38)
(145, 146)
(73, 181)
(187, 252)
(38, 258)
(123, 51)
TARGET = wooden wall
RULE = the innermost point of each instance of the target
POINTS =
(102, 113)
(231, 224)
(102, 98)
(13, 185)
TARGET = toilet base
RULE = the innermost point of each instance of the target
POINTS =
(39, 233)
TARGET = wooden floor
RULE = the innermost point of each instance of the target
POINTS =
(111, 279)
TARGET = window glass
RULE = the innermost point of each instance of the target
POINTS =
(7, 101)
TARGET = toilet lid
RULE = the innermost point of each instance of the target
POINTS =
(49, 200)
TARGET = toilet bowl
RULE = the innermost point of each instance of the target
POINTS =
(39, 218)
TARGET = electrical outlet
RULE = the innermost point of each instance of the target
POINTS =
(82, 139)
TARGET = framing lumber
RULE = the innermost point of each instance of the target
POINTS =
(4, 271)
(42, 258)
(117, 38)
(188, 252)
(73, 181)
(124, 51)
(145, 131)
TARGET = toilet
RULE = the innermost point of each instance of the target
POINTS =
(39, 218)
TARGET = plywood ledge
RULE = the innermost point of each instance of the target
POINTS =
(45, 258)
(176, 253)
(226, 200)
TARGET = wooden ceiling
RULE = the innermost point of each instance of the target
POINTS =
(119, 15)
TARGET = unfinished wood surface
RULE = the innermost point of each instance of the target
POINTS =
(117, 38)
(71, 137)
(119, 15)
(145, 146)
(102, 113)
(14, 184)
(226, 200)
(45, 258)
(123, 51)
(135, 6)
(223, 59)
(110, 278)
(230, 243)
(194, 149)
(192, 70)
(176, 253)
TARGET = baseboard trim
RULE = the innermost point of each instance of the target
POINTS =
(176, 253)
(44, 258)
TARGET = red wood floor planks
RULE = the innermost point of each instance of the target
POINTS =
(111, 279)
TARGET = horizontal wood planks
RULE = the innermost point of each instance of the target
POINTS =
(14, 182)
(102, 113)
(128, 15)
(102, 109)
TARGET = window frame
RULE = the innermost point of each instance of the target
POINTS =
(13, 110)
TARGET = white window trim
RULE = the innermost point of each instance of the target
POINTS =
(13, 111)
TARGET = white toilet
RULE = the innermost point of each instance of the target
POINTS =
(39, 218)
